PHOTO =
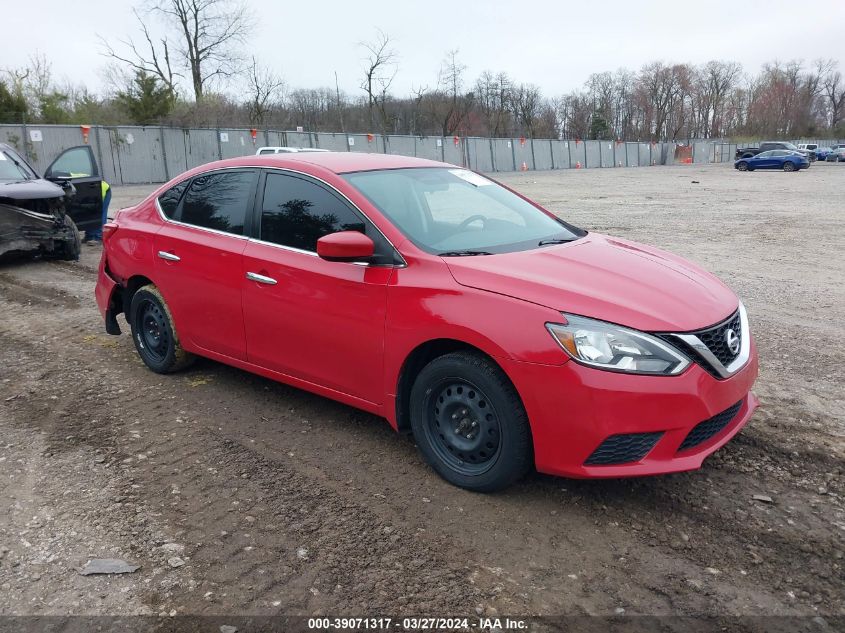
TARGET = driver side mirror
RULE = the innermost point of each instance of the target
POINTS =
(345, 246)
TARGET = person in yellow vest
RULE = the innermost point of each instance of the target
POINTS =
(96, 235)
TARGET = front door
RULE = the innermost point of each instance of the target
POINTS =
(316, 320)
(198, 259)
(78, 166)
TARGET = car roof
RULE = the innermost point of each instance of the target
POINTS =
(337, 162)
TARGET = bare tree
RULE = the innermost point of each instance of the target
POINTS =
(834, 92)
(210, 32)
(265, 88)
(379, 72)
(449, 104)
(203, 41)
(153, 57)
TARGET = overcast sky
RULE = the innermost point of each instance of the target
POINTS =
(555, 44)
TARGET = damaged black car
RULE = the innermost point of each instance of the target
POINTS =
(34, 213)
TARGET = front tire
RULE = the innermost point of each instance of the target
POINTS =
(742, 166)
(154, 334)
(789, 166)
(469, 423)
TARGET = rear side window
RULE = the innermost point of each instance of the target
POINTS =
(169, 200)
(297, 212)
(219, 200)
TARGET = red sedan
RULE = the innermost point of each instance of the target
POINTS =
(501, 336)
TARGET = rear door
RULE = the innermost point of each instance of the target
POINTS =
(78, 166)
(198, 259)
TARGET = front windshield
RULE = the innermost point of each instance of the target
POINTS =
(458, 212)
(12, 167)
(790, 146)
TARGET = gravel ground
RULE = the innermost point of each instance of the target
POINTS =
(237, 495)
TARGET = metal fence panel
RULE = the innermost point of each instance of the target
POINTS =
(542, 152)
(137, 154)
(560, 154)
(175, 151)
(430, 147)
(592, 154)
(453, 153)
(632, 154)
(645, 154)
(235, 143)
(298, 139)
(480, 158)
(401, 145)
(361, 143)
(201, 147)
(577, 154)
(702, 152)
(503, 154)
(607, 153)
(522, 154)
(332, 141)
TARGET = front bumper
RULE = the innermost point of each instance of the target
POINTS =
(573, 409)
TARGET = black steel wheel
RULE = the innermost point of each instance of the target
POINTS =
(469, 422)
(154, 334)
(462, 426)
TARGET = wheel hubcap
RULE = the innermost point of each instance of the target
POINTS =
(462, 426)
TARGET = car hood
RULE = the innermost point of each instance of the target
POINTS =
(29, 189)
(605, 278)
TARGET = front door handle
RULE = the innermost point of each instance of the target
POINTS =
(262, 279)
(169, 256)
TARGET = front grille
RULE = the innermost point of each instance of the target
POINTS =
(703, 431)
(621, 449)
(714, 339)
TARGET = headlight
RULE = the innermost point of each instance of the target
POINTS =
(615, 348)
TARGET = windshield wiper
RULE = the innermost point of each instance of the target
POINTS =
(462, 253)
(558, 241)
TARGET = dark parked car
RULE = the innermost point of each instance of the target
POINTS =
(774, 159)
(822, 153)
(43, 216)
(33, 212)
(748, 152)
(836, 155)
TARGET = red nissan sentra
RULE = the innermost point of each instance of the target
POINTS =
(500, 336)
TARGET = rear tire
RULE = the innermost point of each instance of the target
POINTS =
(469, 423)
(154, 334)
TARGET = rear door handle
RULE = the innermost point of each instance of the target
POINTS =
(262, 279)
(169, 256)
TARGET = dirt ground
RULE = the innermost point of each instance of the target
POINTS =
(237, 495)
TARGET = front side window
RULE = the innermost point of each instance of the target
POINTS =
(458, 212)
(219, 200)
(297, 212)
(74, 163)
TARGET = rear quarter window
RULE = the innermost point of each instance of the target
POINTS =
(169, 200)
